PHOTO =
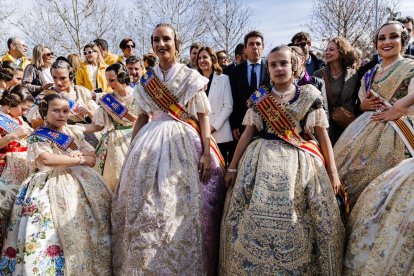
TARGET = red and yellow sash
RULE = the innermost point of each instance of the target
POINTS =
(280, 122)
(169, 104)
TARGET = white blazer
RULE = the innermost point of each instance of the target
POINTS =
(221, 102)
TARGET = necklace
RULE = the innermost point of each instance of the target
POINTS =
(283, 94)
(335, 76)
(383, 69)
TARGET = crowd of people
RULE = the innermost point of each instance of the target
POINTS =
(244, 165)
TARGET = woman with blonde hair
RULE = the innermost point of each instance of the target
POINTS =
(340, 80)
(91, 74)
(37, 76)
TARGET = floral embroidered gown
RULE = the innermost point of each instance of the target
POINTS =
(366, 148)
(281, 215)
(60, 223)
(115, 140)
(165, 221)
(381, 225)
(14, 169)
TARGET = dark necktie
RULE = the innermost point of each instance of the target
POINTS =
(253, 77)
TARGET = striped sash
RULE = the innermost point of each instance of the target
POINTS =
(281, 123)
(169, 104)
(115, 108)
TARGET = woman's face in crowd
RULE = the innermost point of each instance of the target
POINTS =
(204, 61)
(58, 113)
(47, 56)
(113, 82)
(17, 79)
(91, 55)
(163, 43)
(61, 80)
(20, 110)
(331, 52)
(389, 41)
(280, 67)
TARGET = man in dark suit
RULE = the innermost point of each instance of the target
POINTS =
(245, 78)
(239, 58)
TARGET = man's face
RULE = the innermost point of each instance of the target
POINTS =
(129, 49)
(193, 56)
(240, 58)
(254, 49)
(304, 44)
(19, 48)
(134, 70)
(409, 27)
(223, 60)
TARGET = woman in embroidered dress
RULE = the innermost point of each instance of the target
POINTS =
(13, 149)
(167, 209)
(382, 223)
(368, 148)
(116, 137)
(281, 215)
(60, 221)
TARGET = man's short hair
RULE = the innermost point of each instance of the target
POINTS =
(239, 49)
(10, 41)
(301, 36)
(222, 51)
(125, 41)
(196, 45)
(406, 20)
(102, 43)
(253, 34)
(133, 59)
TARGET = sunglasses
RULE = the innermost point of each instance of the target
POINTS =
(302, 44)
(88, 52)
(49, 54)
(222, 58)
(129, 46)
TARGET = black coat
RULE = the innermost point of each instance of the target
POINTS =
(241, 91)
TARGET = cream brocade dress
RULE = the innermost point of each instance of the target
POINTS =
(114, 143)
(366, 149)
(60, 223)
(381, 225)
(165, 221)
(281, 216)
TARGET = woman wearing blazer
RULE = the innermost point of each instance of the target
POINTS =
(219, 94)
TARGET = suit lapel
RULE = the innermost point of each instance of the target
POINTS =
(263, 72)
(214, 82)
(244, 74)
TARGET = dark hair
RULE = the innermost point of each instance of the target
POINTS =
(196, 45)
(404, 33)
(132, 59)
(177, 38)
(150, 59)
(301, 36)
(15, 96)
(120, 71)
(102, 42)
(44, 103)
(124, 42)
(406, 20)
(239, 49)
(63, 63)
(293, 59)
(7, 70)
(10, 41)
(253, 34)
(347, 56)
(222, 51)
(214, 60)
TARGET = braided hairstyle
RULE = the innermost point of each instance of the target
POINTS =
(16, 95)
(7, 70)
(120, 71)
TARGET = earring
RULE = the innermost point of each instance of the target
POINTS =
(272, 83)
(8, 111)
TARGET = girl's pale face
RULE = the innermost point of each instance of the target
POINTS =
(20, 110)
(331, 52)
(58, 113)
(280, 67)
(91, 55)
(204, 61)
(113, 82)
(163, 43)
(17, 79)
